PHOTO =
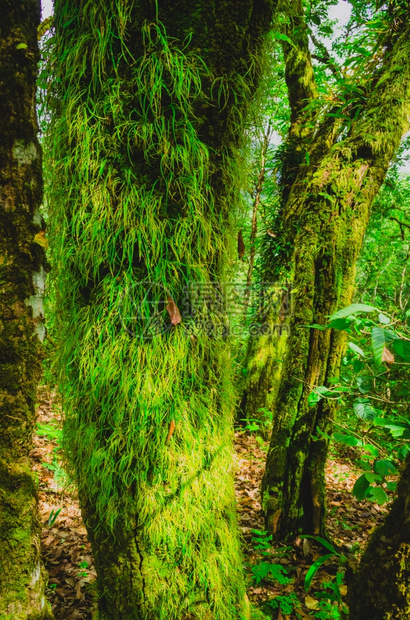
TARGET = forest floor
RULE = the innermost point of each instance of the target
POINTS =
(275, 576)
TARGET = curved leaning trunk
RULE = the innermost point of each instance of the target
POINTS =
(381, 585)
(326, 215)
(148, 101)
(22, 580)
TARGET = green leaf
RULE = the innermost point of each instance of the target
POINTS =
(402, 348)
(378, 343)
(395, 429)
(347, 440)
(384, 320)
(384, 467)
(363, 409)
(372, 449)
(364, 465)
(339, 324)
(21, 46)
(314, 568)
(314, 398)
(391, 486)
(352, 309)
(318, 393)
(371, 478)
(377, 494)
(364, 383)
(360, 487)
(356, 349)
(390, 336)
(323, 542)
(358, 365)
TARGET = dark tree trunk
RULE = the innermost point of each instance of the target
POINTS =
(381, 585)
(22, 579)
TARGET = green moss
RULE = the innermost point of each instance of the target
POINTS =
(143, 144)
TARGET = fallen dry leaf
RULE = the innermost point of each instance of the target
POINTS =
(173, 311)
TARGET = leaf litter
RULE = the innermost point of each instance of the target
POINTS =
(68, 557)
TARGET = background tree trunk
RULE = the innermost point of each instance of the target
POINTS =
(22, 579)
(149, 104)
(324, 220)
(381, 586)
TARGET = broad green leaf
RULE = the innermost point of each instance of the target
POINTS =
(396, 431)
(318, 393)
(314, 568)
(352, 309)
(391, 486)
(378, 342)
(390, 336)
(364, 383)
(22, 46)
(364, 465)
(339, 324)
(360, 487)
(356, 349)
(384, 467)
(314, 398)
(363, 409)
(371, 478)
(384, 320)
(372, 449)
(402, 348)
(377, 494)
(358, 365)
(347, 440)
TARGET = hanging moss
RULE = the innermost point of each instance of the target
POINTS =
(143, 144)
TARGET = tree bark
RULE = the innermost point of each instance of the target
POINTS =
(23, 579)
(324, 220)
(381, 585)
(149, 100)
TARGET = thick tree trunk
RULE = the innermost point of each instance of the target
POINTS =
(381, 586)
(325, 217)
(148, 101)
(22, 578)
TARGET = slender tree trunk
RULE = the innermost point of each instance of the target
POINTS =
(256, 204)
(148, 101)
(22, 579)
(325, 217)
(381, 585)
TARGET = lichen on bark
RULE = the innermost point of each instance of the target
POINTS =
(22, 580)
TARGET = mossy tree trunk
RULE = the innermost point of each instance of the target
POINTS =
(22, 579)
(381, 585)
(267, 344)
(149, 100)
(324, 219)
